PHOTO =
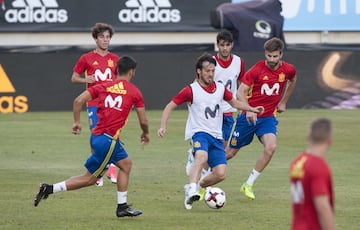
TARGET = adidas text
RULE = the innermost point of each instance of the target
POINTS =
(151, 15)
(36, 15)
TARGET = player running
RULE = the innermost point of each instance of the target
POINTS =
(311, 181)
(269, 82)
(115, 100)
(229, 69)
(204, 97)
(99, 66)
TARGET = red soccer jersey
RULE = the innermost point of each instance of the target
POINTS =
(185, 95)
(310, 176)
(116, 99)
(104, 68)
(267, 85)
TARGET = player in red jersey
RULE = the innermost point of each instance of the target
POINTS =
(269, 82)
(98, 66)
(311, 182)
(116, 99)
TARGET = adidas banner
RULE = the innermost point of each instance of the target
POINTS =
(127, 15)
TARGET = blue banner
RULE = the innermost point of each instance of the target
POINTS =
(320, 15)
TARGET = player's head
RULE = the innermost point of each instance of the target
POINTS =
(273, 52)
(320, 132)
(225, 43)
(102, 34)
(205, 69)
(126, 66)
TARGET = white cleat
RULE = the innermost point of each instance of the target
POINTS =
(186, 190)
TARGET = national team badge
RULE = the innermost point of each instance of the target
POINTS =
(197, 144)
(110, 63)
(281, 77)
(233, 141)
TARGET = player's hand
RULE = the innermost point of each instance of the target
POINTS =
(258, 109)
(251, 117)
(76, 129)
(281, 107)
(161, 132)
(145, 139)
(90, 79)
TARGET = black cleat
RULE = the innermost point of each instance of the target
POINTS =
(193, 198)
(44, 192)
(127, 211)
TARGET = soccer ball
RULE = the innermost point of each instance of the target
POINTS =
(215, 198)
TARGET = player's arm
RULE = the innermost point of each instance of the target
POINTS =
(290, 85)
(241, 94)
(76, 78)
(77, 105)
(240, 104)
(165, 117)
(144, 125)
(324, 212)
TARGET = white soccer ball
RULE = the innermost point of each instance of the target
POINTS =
(215, 198)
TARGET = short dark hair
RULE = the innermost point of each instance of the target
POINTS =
(224, 35)
(100, 28)
(274, 44)
(125, 64)
(206, 57)
(320, 130)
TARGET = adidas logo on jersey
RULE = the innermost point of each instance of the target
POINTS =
(36, 11)
(149, 11)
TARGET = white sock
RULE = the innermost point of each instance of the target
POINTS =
(59, 187)
(192, 188)
(252, 177)
(122, 197)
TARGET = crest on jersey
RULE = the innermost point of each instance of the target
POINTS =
(197, 144)
(281, 77)
(110, 63)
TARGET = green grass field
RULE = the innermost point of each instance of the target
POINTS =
(37, 147)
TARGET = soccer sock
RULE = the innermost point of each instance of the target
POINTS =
(122, 197)
(59, 187)
(252, 177)
(192, 188)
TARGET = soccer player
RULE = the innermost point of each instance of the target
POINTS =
(269, 82)
(311, 181)
(115, 101)
(204, 97)
(98, 66)
(229, 69)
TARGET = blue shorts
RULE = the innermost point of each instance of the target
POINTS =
(244, 132)
(92, 116)
(228, 123)
(102, 155)
(213, 146)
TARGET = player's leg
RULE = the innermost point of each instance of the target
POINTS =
(92, 120)
(227, 127)
(267, 134)
(95, 166)
(217, 161)
(242, 135)
(124, 163)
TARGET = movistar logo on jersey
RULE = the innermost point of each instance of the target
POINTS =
(35, 11)
(265, 88)
(149, 11)
(103, 76)
(211, 112)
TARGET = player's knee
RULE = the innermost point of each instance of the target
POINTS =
(230, 153)
(220, 175)
(270, 149)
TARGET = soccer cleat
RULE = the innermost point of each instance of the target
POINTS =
(190, 161)
(111, 174)
(127, 211)
(99, 182)
(186, 190)
(192, 198)
(202, 193)
(44, 192)
(247, 190)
